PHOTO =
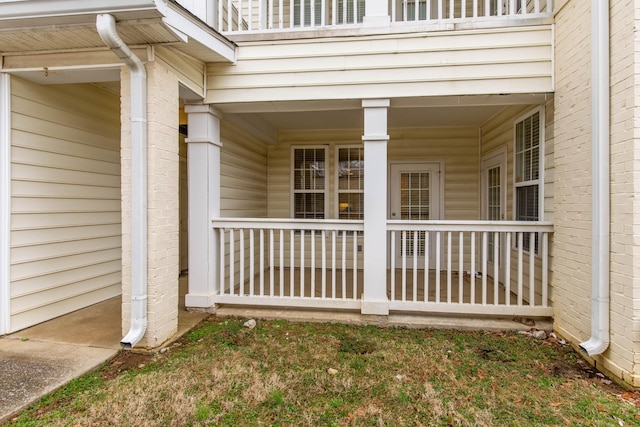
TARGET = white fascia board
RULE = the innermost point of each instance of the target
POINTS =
(5, 202)
(199, 32)
(14, 12)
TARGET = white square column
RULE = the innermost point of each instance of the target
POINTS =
(375, 139)
(376, 13)
(203, 157)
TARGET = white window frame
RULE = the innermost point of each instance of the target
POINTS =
(326, 178)
(541, 167)
(336, 167)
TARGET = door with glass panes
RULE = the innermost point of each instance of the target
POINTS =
(415, 195)
(493, 184)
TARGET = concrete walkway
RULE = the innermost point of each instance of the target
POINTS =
(40, 359)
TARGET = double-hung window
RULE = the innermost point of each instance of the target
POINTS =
(528, 174)
(310, 182)
(350, 188)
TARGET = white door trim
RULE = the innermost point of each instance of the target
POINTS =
(434, 167)
(5, 202)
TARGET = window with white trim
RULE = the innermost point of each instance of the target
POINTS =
(528, 152)
(350, 178)
(310, 182)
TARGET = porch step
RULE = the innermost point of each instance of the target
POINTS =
(399, 320)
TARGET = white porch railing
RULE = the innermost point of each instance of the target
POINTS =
(462, 267)
(236, 16)
(292, 263)
(486, 267)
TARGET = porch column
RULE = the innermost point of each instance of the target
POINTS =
(203, 166)
(376, 13)
(375, 139)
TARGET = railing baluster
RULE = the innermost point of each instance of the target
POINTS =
(487, 8)
(312, 13)
(416, 242)
(241, 242)
(472, 273)
(270, 9)
(520, 242)
(232, 262)
(324, 264)
(496, 265)
(485, 249)
(281, 248)
(313, 263)
(344, 264)
(250, 16)
(532, 266)
(292, 265)
(230, 16)
(302, 255)
(355, 265)
(545, 268)
(460, 266)
(404, 266)
(440, 7)
(334, 15)
(240, 14)
(222, 249)
(291, 14)
(507, 269)
(271, 262)
(449, 261)
(262, 262)
(438, 250)
(451, 9)
(252, 247)
(333, 264)
(426, 266)
(428, 6)
(416, 10)
(392, 249)
(281, 14)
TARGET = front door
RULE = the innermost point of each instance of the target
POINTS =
(415, 195)
(493, 181)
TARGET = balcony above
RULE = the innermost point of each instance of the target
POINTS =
(304, 18)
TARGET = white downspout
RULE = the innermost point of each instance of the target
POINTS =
(599, 340)
(106, 25)
(5, 203)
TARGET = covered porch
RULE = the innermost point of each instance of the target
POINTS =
(432, 229)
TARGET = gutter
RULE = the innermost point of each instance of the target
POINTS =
(106, 25)
(599, 340)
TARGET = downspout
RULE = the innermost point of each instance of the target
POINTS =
(106, 26)
(599, 340)
(5, 203)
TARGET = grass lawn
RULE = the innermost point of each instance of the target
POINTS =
(316, 374)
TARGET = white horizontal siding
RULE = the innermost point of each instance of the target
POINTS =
(243, 175)
(65, 205)
(488, 61)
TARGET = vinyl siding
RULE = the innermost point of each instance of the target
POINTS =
(512, 60)
(243, 175)
(65, 216)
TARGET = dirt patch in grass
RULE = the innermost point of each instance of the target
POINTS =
(125, 361)
(311, 374)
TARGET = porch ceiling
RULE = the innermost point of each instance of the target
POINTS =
(469, 111)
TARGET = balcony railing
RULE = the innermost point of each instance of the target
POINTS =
(462, 267)
(240, 16)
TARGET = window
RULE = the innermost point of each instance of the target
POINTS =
(528, 147)
(309, 182)
(350, 165)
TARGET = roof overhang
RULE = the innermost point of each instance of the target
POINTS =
(59, 25)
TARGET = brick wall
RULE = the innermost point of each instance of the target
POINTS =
(163, 205)
(572, 198)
